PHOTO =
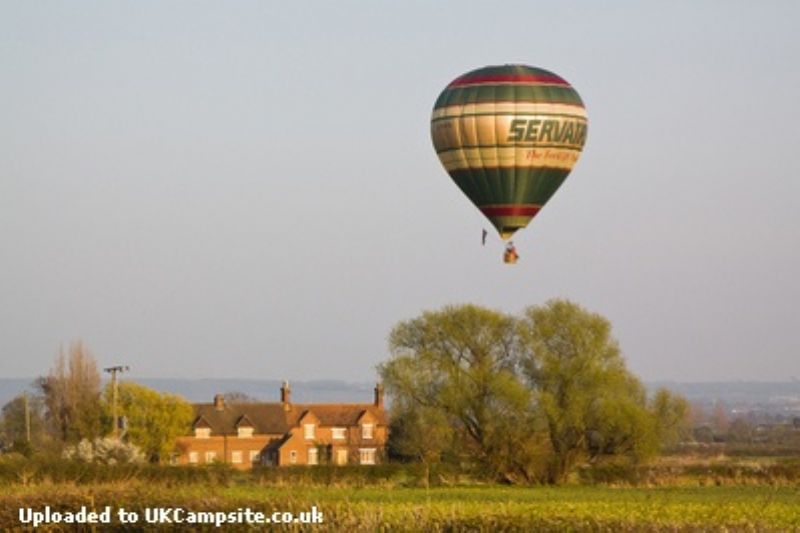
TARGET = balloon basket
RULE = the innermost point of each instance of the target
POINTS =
(510, 258)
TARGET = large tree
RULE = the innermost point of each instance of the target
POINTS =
(592, 404)
(458, 364)
(71, 393)
(525, 397)
(154, 420)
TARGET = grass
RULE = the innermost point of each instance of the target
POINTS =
(473, 508)
(714, 493)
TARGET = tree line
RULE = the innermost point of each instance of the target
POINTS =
(525, 398)
(519, 398)
(70, 413)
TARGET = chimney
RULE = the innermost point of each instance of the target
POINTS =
(219, 402)
(286, 396)
(379, 395)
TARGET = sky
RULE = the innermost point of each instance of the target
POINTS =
(248, 189)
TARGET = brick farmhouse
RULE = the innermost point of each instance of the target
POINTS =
(285, 433)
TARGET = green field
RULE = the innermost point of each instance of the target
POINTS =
(476, 508)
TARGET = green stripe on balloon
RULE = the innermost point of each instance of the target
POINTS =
(545, 94)
(514, 185)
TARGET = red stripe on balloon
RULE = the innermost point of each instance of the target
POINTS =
(506, 78)
(510, 210)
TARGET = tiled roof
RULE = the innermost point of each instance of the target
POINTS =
(201, 422)
(338, 414)
(244, 422)
(268, 418)
(272, 418)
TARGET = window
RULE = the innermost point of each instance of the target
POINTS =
(253, 456)
(202, 433)
(293, 457)
(338, 433)
(193, 458)
(173, 458)
(341, 457)
(245, 432)
(308, 431)
(366, 431)
(211, 457)
(236, 457)
(313, 456)
(366, 456)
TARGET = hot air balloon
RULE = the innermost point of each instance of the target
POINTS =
(508, 136)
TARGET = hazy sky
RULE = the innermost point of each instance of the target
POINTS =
(248, 189)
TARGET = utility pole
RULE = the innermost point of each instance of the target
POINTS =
(113, 370)
(27, 416)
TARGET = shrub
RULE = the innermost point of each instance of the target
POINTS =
(106, 451)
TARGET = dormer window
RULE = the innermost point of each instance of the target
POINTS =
(245, 432)
(202, 433)
(367, 430)
(338, 433)
(309, 431)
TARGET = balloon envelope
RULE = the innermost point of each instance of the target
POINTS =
(508, 136)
